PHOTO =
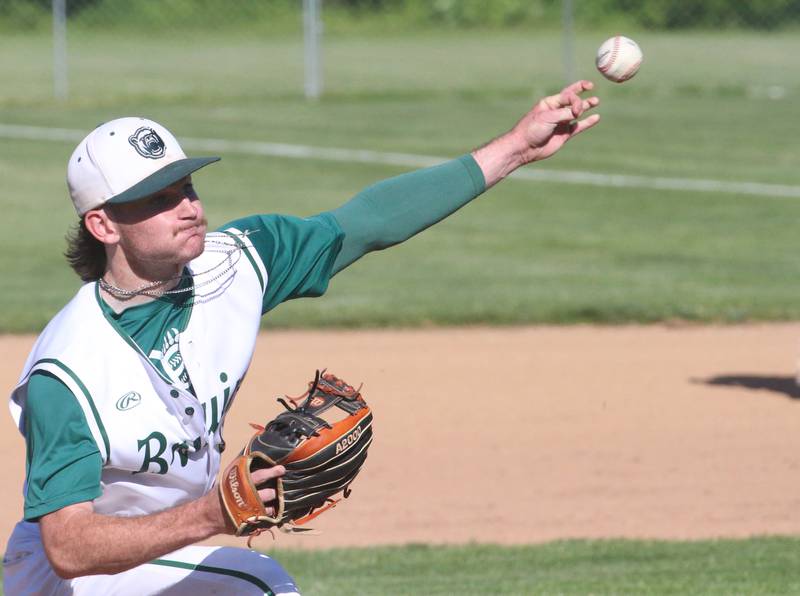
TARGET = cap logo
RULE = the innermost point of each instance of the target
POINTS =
(147, 143)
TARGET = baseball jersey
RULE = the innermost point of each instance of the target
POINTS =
(148, 414)
(126, 410)
(65, 458)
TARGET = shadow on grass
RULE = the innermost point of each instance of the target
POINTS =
(783, 385)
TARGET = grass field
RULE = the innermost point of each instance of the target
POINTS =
(528, 251)
(764, 565)
(756, 566)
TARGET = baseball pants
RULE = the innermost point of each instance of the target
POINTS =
(190, 571)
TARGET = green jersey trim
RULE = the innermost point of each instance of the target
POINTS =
(243, 246)
(218, 570)
(88, 397)
(147, 324)
(128, 339)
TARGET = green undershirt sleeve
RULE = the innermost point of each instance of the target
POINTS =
(63, 464)
(297, 253)
(393, 210)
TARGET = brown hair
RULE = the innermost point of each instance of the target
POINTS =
(85, 253)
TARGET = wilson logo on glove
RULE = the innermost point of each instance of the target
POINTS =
(233, 483)
(321, 439)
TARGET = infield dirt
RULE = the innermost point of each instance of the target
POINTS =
(524, 435)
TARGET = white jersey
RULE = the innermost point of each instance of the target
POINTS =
(160, 444)
(156, 418)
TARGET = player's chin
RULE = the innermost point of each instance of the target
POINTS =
(194, 242)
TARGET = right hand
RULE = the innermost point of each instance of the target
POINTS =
(552, 121)
(540, 133)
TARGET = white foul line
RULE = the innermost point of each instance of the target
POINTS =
(11, 131)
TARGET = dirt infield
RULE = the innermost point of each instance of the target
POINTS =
(532, 434)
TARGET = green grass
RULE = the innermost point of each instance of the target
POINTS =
(763, 565)
(526, 252)
(754, 566)
(106, 68)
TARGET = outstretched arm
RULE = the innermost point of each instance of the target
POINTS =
(394, 210)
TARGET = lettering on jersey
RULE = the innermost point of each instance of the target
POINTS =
(213, 421)
(155, 445)
(233, 483)
(213, 413)
(182, 449)
(153, 456)
(129, 401)
(351, 438)
(229, 393)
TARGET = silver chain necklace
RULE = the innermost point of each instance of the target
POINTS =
(145, 290)
(149, 289)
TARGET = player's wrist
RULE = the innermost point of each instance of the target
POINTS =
(501, 156)
(213, 513)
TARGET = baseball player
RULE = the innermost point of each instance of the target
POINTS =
(123, 398)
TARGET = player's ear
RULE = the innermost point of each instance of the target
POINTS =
(101, 226)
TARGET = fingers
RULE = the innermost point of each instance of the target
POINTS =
(592, 102)
(568, 95)
(579, 106)
(573, 110)
(578, 127)
(578, 87)
(267, 495)
(267, 474)
(561, 115)
(571, 93)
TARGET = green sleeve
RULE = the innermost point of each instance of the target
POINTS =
(298, 253)
(63, 463)
(393, 210)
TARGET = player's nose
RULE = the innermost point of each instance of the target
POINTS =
(190, 207)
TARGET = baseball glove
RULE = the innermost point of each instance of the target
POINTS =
(321, 439)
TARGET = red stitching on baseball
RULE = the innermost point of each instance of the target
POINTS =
(607, 66)
(631, 71)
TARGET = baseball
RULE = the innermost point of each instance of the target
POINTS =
(619, 58)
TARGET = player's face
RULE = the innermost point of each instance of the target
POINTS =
(164, 229)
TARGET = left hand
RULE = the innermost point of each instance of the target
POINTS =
(267, 495)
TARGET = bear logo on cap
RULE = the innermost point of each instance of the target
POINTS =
(147, 143)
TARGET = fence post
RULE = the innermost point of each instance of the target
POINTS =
(568, 38)
(312, 32)
(60, 81)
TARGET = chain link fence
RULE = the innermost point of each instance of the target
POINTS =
(103, 51)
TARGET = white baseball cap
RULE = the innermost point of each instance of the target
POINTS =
(125, 160)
